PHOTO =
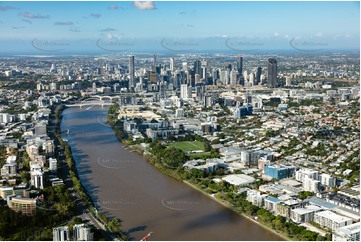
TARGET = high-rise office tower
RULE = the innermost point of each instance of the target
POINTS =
(94, 88)
(154, 62)
(258, 75)
(197, 69)
(200, 90)
(171, 66)
(224, 77)
(162, 89)
(184, 91)
(245, 76)
(272, 72)
(197, 78)
(214, 76)
(204, 69)
(240, 64)
(185, 66)
(131, 72)
(233, 77)
(251, 79)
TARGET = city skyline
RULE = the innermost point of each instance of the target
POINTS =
(66, 27)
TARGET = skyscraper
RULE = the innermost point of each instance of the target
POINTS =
(184, 91)
(171, 66)
(197, 78)
(94, 88)
(258, 75)
(131, 72)
(251, 79)
(197, 67)
(154, 62)
(224, 77)
(240, 64)
(272, 72)
(204, 69)
(162, 89)
(185, 66)
(233, 77)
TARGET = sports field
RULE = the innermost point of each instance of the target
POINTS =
(188, 145)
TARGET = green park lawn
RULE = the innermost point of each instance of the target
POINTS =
(188, 145)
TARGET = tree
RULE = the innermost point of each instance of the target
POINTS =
(278, 223)
(174, 157)
(207, 146)
(25, 176)
(304, 194)
(114, 225)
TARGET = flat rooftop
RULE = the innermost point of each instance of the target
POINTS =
(333, 216)
(238, 179)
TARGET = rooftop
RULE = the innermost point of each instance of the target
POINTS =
(238, 179)
(333, 216)
(350, 229)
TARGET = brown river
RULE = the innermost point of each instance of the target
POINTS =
(124, 185)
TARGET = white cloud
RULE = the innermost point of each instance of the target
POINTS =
(63, 23)
(6, 8)
(34, 16)
(276, 34)
(95, 15)
(27, 21)
(319, 34)
(108, 30)
(113, 6)
(144, 5)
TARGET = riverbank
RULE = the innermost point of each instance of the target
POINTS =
(229, 206)
(173, 174)
(87, 200)
(137, 149)
(156, 154)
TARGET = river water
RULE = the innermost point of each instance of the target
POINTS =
(124, 185)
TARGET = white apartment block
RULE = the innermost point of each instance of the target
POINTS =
(82, 233)
(347, 233)
(310, 185)
(61, 233)
(331, 220)
(255, 197)
(304, 215)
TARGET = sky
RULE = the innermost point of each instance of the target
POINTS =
(178, 26)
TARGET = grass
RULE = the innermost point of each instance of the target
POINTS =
(188, 145)
(198, 155)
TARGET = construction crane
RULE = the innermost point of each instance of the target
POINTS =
(145, 238)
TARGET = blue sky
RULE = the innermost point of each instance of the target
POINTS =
(244, 24)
